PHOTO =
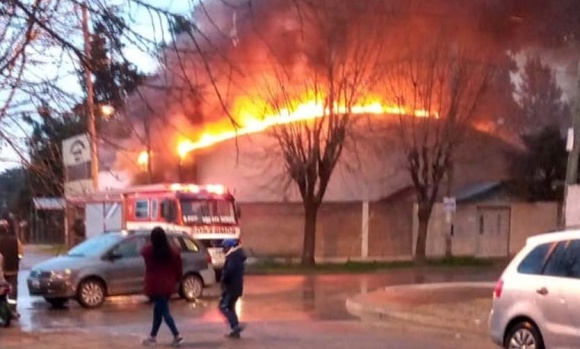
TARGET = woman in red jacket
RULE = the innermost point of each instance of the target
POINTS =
(162, 274)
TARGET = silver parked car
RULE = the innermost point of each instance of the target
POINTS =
(112, 265)
(536, 302)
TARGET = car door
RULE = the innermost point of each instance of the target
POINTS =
(553, 294)
(194, 258)
(570, 292)
(175, 242)
(128, 266)
(533, 293)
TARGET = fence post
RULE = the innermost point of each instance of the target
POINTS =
(365, 230)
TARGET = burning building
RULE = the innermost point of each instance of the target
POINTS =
(244, 70)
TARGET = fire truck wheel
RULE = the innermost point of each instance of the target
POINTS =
(191, 287)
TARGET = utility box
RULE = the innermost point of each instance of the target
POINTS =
(103, 217)
(572, 213)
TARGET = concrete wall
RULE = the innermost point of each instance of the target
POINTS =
(531, 219)
(526, 219)
(370, 171)
(276, 230)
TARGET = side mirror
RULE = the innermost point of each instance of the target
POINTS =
(238, 211)
(169, 210)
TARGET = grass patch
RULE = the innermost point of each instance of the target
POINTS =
(462, 262)
(270, 266)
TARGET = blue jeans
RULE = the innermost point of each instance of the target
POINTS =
(161, 312)
(228, 308)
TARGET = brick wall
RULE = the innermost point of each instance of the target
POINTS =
(276, 230)
(390, 229)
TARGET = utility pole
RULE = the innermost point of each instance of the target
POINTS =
(147, 126)
(574, 152)
(90, 99)
(449, 215)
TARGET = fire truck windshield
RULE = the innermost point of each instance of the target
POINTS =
(208, 211)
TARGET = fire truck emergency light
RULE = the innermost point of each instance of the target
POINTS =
(217, 189)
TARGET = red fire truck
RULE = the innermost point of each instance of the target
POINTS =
(209, 213)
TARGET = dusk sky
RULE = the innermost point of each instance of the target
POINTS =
(46, 69)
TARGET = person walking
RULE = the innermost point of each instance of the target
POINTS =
(232, 282)
(10, 249)
(163, 270)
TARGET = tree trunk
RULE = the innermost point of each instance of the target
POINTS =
(309, 246)
(423, 215)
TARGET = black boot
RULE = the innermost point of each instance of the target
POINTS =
(236, 331)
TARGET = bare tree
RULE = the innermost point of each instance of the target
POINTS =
(41, 51)
(437, 86)
(334, 72)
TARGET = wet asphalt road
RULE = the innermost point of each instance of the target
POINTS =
(311, 302)
(267, 298)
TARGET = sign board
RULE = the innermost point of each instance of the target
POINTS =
(449, 204)
(76, 156)
(78, 188)
(76, 150)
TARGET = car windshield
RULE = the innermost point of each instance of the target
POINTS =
(95, 246)
(208, 211)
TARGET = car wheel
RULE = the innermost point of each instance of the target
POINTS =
(191, 288)
(56, 302)
(524, 335)
(91, 293)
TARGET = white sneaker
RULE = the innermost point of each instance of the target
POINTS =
(149, 342)
(177, 341)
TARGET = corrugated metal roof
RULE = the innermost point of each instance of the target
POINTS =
(49, 204)
(476, 190)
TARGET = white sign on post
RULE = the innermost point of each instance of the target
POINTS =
(76, 150)
(449, 204)
(76, 157)
(570, 139)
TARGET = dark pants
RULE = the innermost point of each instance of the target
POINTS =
(13, 281)
(228, 308)
(161, 312)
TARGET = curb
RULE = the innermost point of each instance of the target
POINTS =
(442, 285)
(357, 306)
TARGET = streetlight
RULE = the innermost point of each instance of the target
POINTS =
(107, 110)
(143, 159)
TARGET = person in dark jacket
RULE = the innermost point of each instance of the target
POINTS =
(163, 270)
(10, 250)
(232, 283)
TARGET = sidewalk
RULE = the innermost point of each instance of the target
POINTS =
(459, 307)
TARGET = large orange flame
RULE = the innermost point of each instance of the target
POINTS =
(305, 111)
